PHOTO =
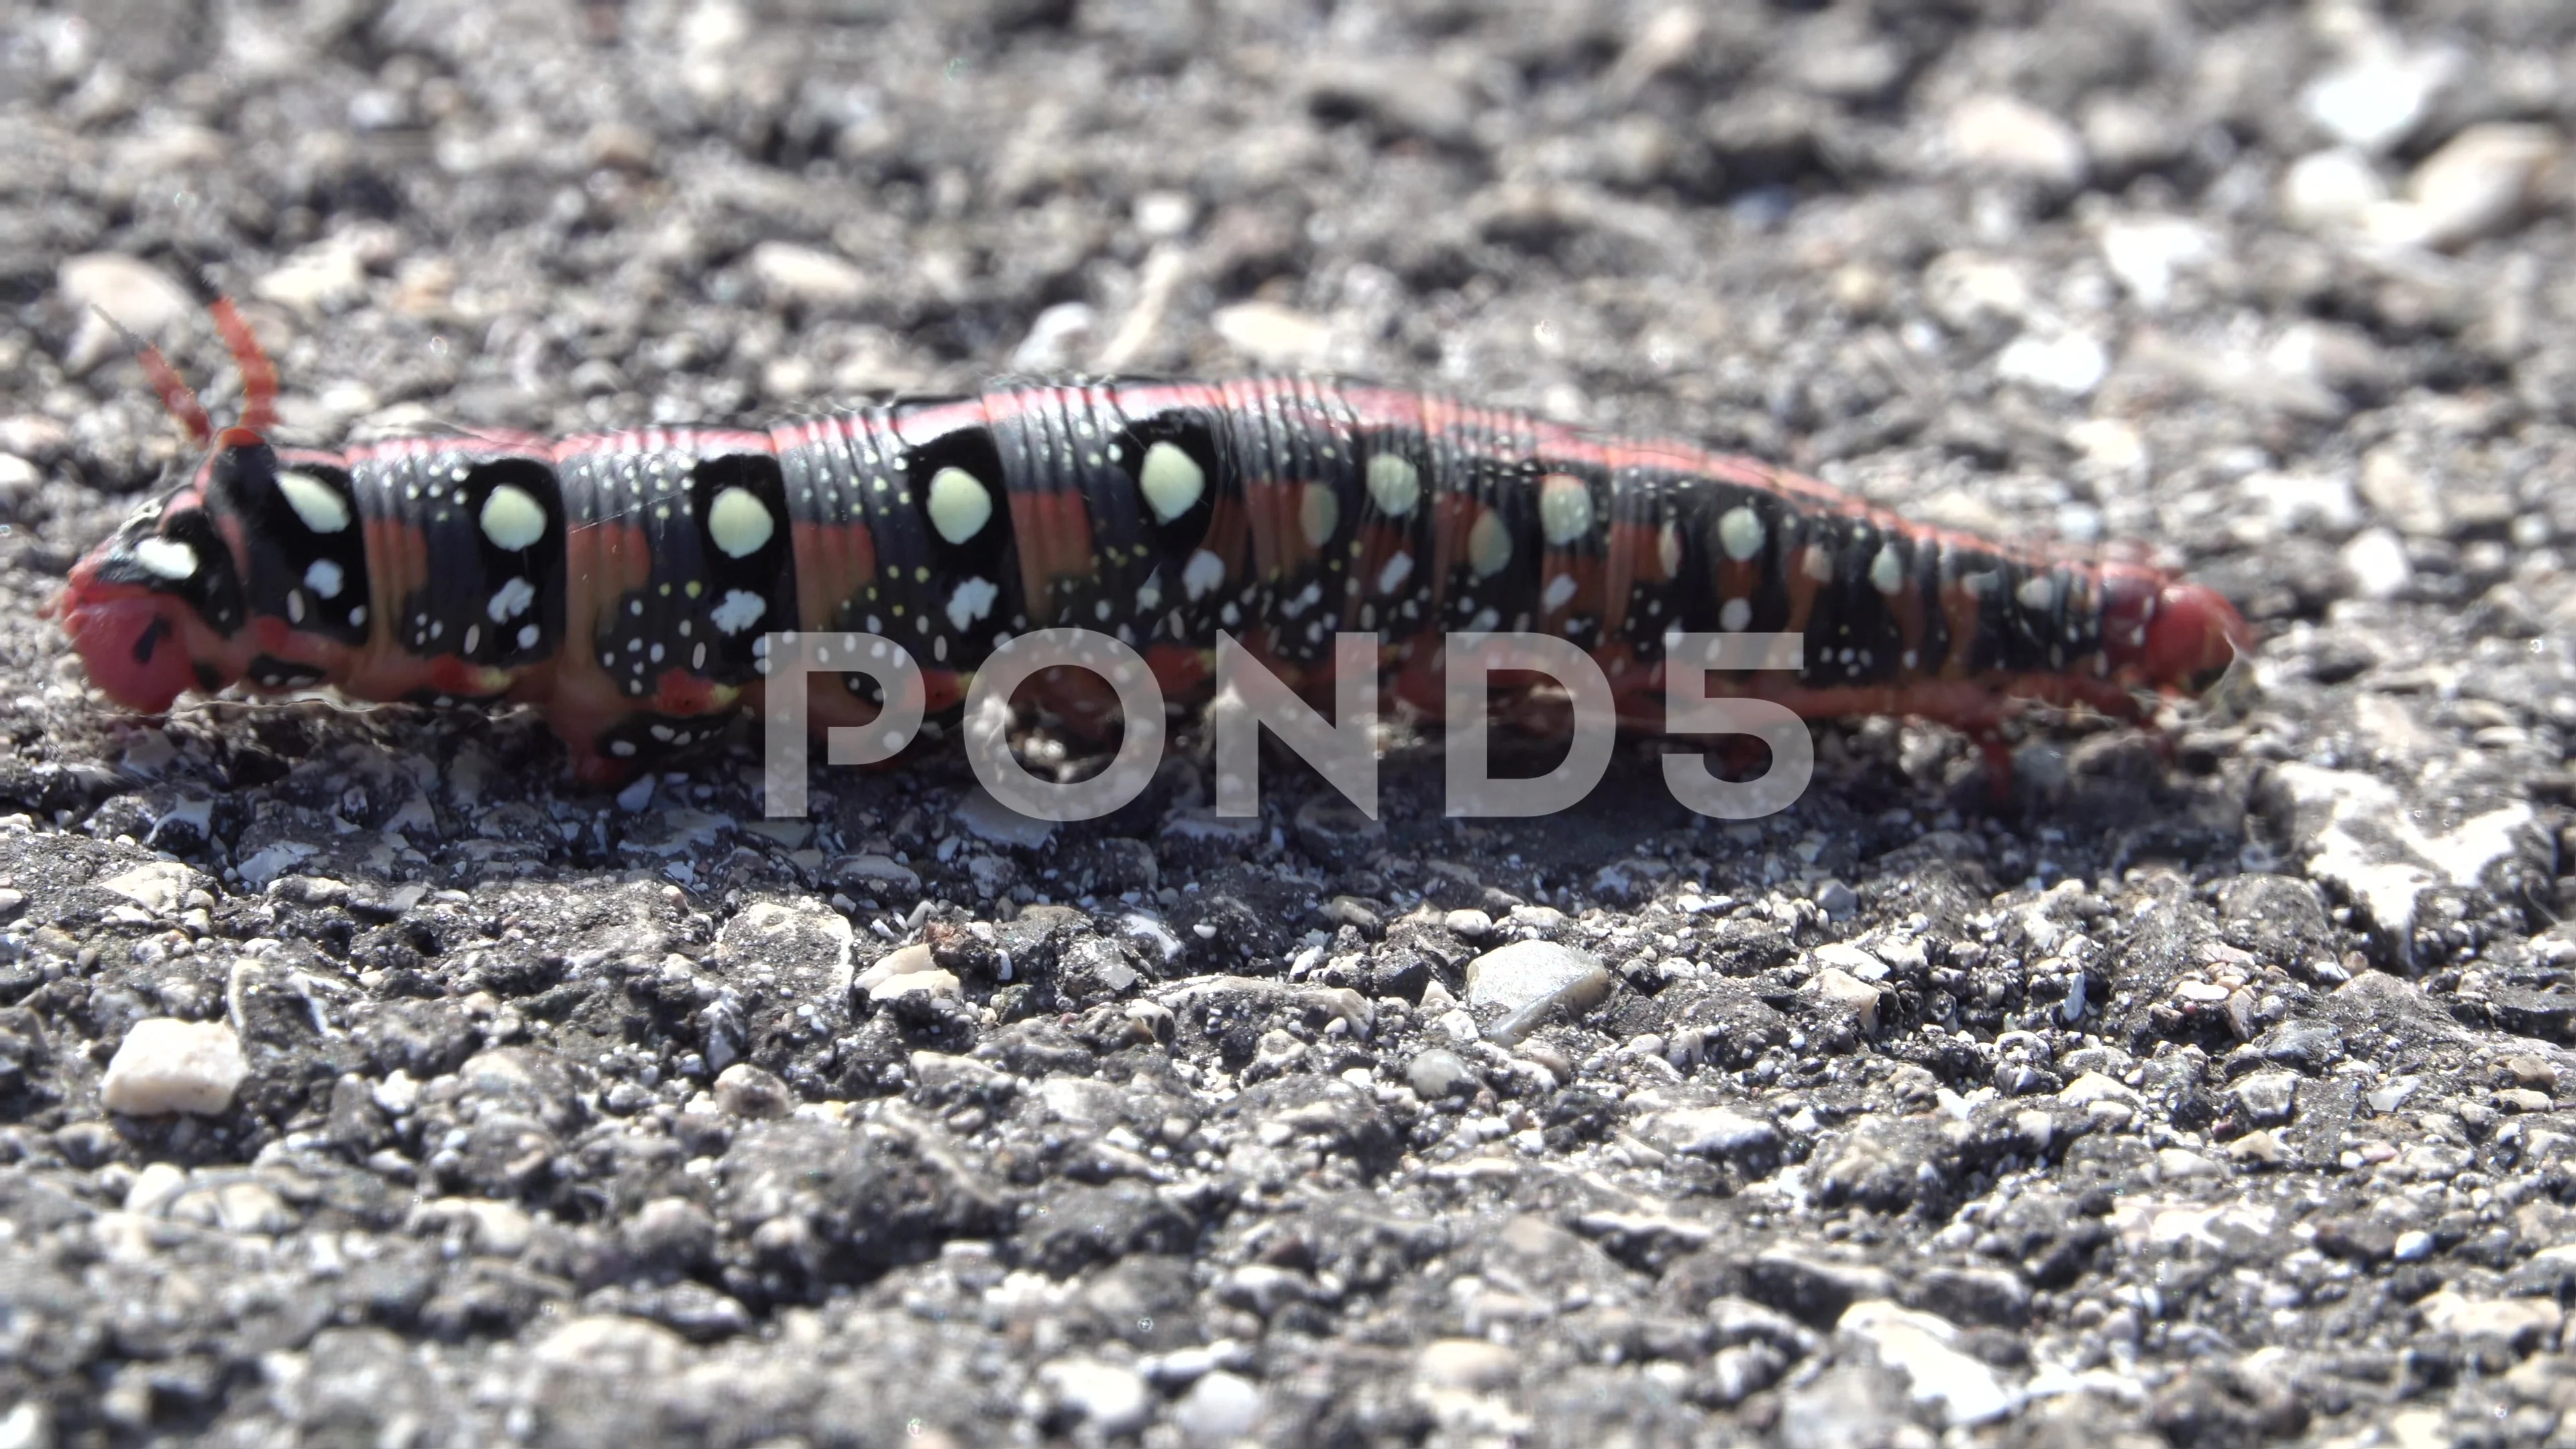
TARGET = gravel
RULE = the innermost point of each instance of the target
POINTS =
(363, 1080)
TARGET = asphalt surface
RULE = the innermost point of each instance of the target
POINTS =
(364, 1081)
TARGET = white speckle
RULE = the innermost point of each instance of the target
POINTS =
(1171, 480)
(959, 504)
(512, 519)
(529, 635)
(317, 504)
(971, 601)
(167, 557)
(1485, 620)
(2039, 591)
(739, 524)
(1398, 568)
(1564, 509)
(1202, 575)
(1734, 614)
(295, 606)
(1668, 550)
(739, 610)
(1560, 592)
(1319, 513)
(324, 578)
(510, 600)
(1818, 562)
(623, 749)
(473, 636)
(1740, 533)
(1394, 485)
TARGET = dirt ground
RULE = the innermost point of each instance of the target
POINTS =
(2209, 1095)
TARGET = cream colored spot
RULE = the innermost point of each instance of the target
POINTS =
(1559, 593)
(739, 524)
(1734, 615)
(1668, 550)
(1171, 480)
(1319, 512)
(1740, 533)
(1887, 571)
(1489, 545)
(960, 506)
(1394, 485)
(512, 519)
(2039, 591)
(1819, 563)
(167, 557)
(317, 504)
(1564, 509)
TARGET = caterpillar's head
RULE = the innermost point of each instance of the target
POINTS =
(2171, 635)
(145, 608)
(2195, 638)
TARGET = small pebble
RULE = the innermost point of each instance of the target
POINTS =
(2414, 1245)
(803, 275)
(1439, 1073)
(753, 1093)
(2376, 560)
(2480, 184)
(1520, 985)
(1219, 1409)
(2006, 136)
(1468, 925)
(1466, 1363)
(1109, 1397)
(167, 1065)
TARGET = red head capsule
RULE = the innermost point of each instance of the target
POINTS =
(2194, 638)
(2169, 635)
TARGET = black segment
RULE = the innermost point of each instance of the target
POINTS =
(313, 578)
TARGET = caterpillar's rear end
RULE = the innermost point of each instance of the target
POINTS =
(623, 583)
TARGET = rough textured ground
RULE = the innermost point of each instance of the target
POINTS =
(2213, 1099)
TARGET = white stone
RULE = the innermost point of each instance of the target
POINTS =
(1712, 1132)
(1837, 987)
(2476, 186)
(2376, 559)
(1111, 1398)
(794, 273)
(1269, 333)
(2147, 253)
(168, 1065)
(2330, 189)
(2376, 99)
(1219, 1409)
(1921, 1346)
(2071, 362)
(160, 886)
(2006, 136)
(1524, 982)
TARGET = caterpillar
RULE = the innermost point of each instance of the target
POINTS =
(623, 582)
